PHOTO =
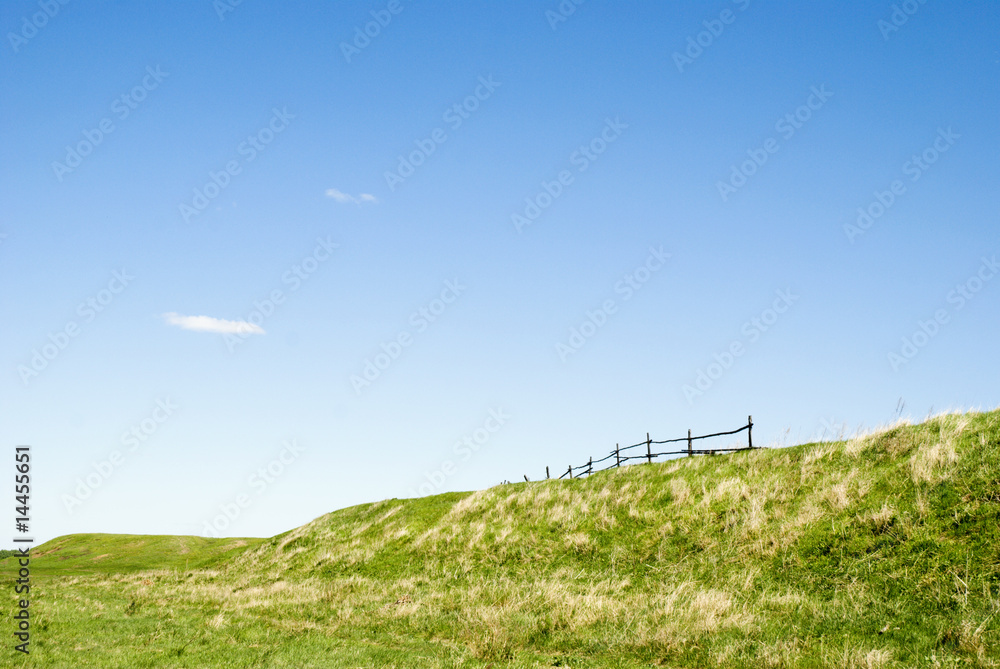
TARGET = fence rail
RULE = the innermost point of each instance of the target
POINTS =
(619, 459)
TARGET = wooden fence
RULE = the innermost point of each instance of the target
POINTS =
(648, 456)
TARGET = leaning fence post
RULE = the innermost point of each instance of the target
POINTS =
(750, 431)
(546, 472)
(649, 453)
(689, 443)
(618, 460)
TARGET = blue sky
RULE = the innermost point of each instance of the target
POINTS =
(668, 173)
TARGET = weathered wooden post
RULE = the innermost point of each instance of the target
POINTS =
(649, 453)
(546, 472)
(590, 465)
(750, 431)
(570, 471)
(618, 459)
(690, 453)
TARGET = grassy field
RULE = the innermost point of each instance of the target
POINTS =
(881, 551)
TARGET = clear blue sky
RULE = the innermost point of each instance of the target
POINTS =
(644, 127)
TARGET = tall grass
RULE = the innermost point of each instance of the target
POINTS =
(879, 551)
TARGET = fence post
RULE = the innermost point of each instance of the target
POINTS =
(618, 460)
(570, 470)
(750, 431)
(689, 443)
(590, 465)
(546, 472)
(649, 453)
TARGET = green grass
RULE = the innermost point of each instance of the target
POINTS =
(78, 554)
(881, 551)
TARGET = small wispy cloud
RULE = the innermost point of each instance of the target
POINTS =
(209, 324)
(343, 197)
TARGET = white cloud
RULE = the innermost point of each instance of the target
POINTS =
(343, 197)
(338, 196)
(209, 324)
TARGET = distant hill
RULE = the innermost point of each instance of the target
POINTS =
(882, 551)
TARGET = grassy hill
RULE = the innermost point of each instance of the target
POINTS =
(78, 554)
(881, 551)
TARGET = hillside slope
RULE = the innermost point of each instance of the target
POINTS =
(78, 554)
(879, 551)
